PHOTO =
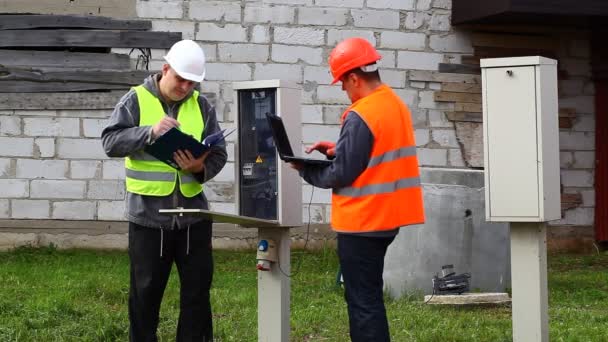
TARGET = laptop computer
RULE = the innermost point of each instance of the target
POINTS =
(281, 141)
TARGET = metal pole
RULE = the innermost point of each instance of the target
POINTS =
(273, 290)
(529, 279)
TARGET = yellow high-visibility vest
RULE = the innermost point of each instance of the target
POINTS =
(146, 175)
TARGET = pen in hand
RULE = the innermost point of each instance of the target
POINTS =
(165, 124)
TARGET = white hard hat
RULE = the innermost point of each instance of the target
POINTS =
(187, 59)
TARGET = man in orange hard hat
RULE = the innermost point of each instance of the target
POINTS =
(374, 179)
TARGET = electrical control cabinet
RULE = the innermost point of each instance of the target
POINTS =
(521, 142)
(266, 187)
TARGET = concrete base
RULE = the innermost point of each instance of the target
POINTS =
(455, 232)
(469, 299)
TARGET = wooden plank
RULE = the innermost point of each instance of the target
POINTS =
(44, 60)
(31, 21)
(567, 112)
(464, 116)
(461, 87)
(447, 96)
(54, 87)
(468, 107)
(515, 41)
(571, 201)
(565, 122)
(497, 52)
(431, 76)
(89, 100)
(126, 78)
(88, 38)
(471, 60)
(459, 69)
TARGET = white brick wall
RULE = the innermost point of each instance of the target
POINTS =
(111, 210)
(185, 27)
(331, 95)
(403, 41)
(45, 147)
(392, 4)
(4, 208)
(203, 10)
(432, 157)
(160, 9)
(227, 33)
(288, 72)
(299, 36)
(228, 72)
(243, 53)
(10, 125)
(14, 188)
(322, 16)
(335, 36)
(80, 149)
(415, 20)
(68, 189)
(293, 54)
(376, 19)
(63, 127)
(275, 15)
(49, 169)
(418, 60)
(16, 147)
(30, 209)
(85, 169)
(106, 190)
(340, 3)
(113, 169)
(52, 160)
(5, 165)
(76, 210)
(319, 75)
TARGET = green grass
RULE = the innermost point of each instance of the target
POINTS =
(79, 295)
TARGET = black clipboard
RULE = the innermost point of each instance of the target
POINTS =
(167, 144)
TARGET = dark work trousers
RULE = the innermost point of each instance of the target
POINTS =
(191, 252)
(362, 263)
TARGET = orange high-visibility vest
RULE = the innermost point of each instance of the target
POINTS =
(387, 194)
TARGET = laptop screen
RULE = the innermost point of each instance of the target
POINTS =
(280, 135)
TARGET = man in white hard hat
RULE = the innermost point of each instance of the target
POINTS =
(166, 100)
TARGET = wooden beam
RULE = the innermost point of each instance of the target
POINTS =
(88, 100)
(431, 76)
(50, 60)
(461, 87)
(126, 78)
(515, 41)
(459, 69)
(464, 116)
(447, 96)
(468, 107)
(31, 21)
(88, 38)
(53, 87)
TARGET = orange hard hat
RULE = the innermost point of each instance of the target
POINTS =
(349, 54)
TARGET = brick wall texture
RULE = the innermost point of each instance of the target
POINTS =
(52, 165)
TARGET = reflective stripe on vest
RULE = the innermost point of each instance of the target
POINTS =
(146, 175)
(387, 194)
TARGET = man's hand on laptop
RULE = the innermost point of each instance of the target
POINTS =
(328, 148)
